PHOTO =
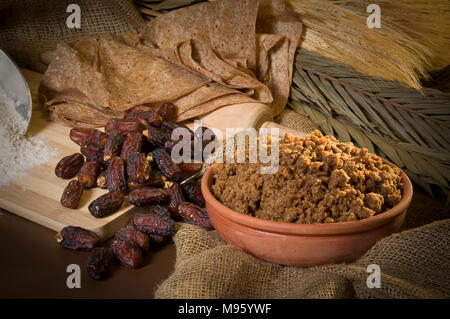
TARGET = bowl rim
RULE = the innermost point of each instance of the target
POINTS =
(307, 229)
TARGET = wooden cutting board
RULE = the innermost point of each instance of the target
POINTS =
(36, 195)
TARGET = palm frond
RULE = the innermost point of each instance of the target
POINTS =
(407, 127)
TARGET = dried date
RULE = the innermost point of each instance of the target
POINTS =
(139, 108)
(101, 180)
(77, 238)
(84, 135)
(147, 196)
(122, 127)
(72, 194)
(106, 204)
(168, 111)
(165, 164)
(168, 127)
(116, 175)
(195, 215)
(159, 210)
(190, 168)
(138, 168)
(156, 137)
(175, 199)
(93, 153)
(168, 145)
(157, 179)
(69, 166)
(113, 146)
(88, 174)
(157, 240)
(132, 144)
(99, 263)
(127, 252)
(150, 117)
(154, 224)
(136, 236)
(193, 191)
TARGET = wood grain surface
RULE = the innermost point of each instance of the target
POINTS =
(36, 195)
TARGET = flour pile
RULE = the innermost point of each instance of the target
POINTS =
(18, 153)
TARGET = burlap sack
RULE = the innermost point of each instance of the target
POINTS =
(414, 263)
(295, 121)
(28, 37)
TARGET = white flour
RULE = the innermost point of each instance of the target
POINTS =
(18, 153)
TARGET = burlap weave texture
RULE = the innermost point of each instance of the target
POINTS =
(30, 29)
(413, 263)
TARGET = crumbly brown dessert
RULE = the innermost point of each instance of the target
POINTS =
(319, 180)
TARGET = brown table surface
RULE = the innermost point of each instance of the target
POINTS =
(32, 265)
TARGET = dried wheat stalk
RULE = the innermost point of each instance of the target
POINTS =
(412, 40)
(410, 129)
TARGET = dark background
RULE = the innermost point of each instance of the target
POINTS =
(32, 265)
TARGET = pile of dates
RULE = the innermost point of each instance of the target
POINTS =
(131, 159)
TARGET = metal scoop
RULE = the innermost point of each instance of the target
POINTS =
(14, 84)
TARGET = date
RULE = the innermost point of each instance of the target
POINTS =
(165, 164)
(116, 175)
(175, 199)
(157, 179)
(195, 215)
(69, 166)
(168, 111)
(169, 126)
(150, 117)
(193, 191)
(159, 210)
(93, 153)
(139, 108)
(156, 136)
(101, 180)
(122, 127)
(147, 196)
(88, 174)
(136, 236)
(168, 146)
(157, 240)
(138, 169)
(190, 168)
(132, 144)
(106, 204)
(127, 253)
(72, 194)
(154, 224)
(77, 238)
(99, 263)
(113, 146)
(84, 135)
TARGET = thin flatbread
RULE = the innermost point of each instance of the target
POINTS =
(228, 27)
(201, 58)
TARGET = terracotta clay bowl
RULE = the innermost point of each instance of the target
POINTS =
(303, 245)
